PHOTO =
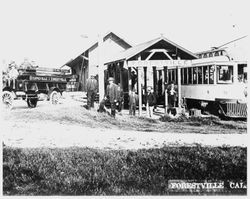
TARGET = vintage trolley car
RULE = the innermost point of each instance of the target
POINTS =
(216, 84)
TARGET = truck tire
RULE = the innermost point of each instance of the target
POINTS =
(55, 97)
(32, 102)
(7, 99)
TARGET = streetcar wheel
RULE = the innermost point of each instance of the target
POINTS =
(7, 99)
(32, 102)
(55, 97)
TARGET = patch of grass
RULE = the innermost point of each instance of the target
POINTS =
(200, 121)
(85, 171)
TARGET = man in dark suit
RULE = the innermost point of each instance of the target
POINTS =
(120, 97)
(111, 96)
(91, 88)
(133, 101)
(172, 91)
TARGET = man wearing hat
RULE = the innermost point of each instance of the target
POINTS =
(111, 96)
(150, 100)
(172, 94)
(133, 101)
(120, 97)
(91, 88)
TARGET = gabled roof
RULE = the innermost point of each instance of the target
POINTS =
(127, 54)
(109, 35)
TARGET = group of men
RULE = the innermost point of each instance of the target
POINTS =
(114, 97)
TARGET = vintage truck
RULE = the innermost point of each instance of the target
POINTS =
(33, 84)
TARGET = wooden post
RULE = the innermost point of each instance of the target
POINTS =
(165, 75)
(80, 78)
(235, 73)
(129, 80)
(137, 86)
(145, 89)
(100, 68)
(179, 85)
(163, 82)
(145, 80)
(139, 90)
(114, 71)
(121, 74)
(154, 78)
(165, 87)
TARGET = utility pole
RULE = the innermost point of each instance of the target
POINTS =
(100, 67)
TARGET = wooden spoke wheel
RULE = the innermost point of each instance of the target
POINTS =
(55, 97)
(7, 99)
(32, 102)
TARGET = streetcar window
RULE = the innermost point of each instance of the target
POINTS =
(210, 54)
(205, 55)
(216, 53)
(199, 75)
(205, 74)
(194, 75)
(211, 74)
(242, 73)
(189, 75)
(185, 75)
(225, 74)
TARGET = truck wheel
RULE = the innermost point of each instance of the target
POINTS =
(54, 97)
(7, 98)
(32, 102)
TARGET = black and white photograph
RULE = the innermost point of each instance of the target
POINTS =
(124, 98)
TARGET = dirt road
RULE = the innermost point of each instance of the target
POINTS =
(69, 124)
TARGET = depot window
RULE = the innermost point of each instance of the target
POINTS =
(224, 74)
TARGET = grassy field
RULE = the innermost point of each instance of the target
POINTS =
(85, 171)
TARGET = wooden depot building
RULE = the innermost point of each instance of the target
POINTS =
(147, 65)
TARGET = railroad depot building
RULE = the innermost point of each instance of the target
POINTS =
(147, 64)
(87, 62)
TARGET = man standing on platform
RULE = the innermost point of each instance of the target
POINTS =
(151, 101)
(120, 97)
(111, 96)
(91, 88)
(133, 100)
(172, 91)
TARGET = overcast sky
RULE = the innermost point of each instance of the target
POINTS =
(49, 31)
